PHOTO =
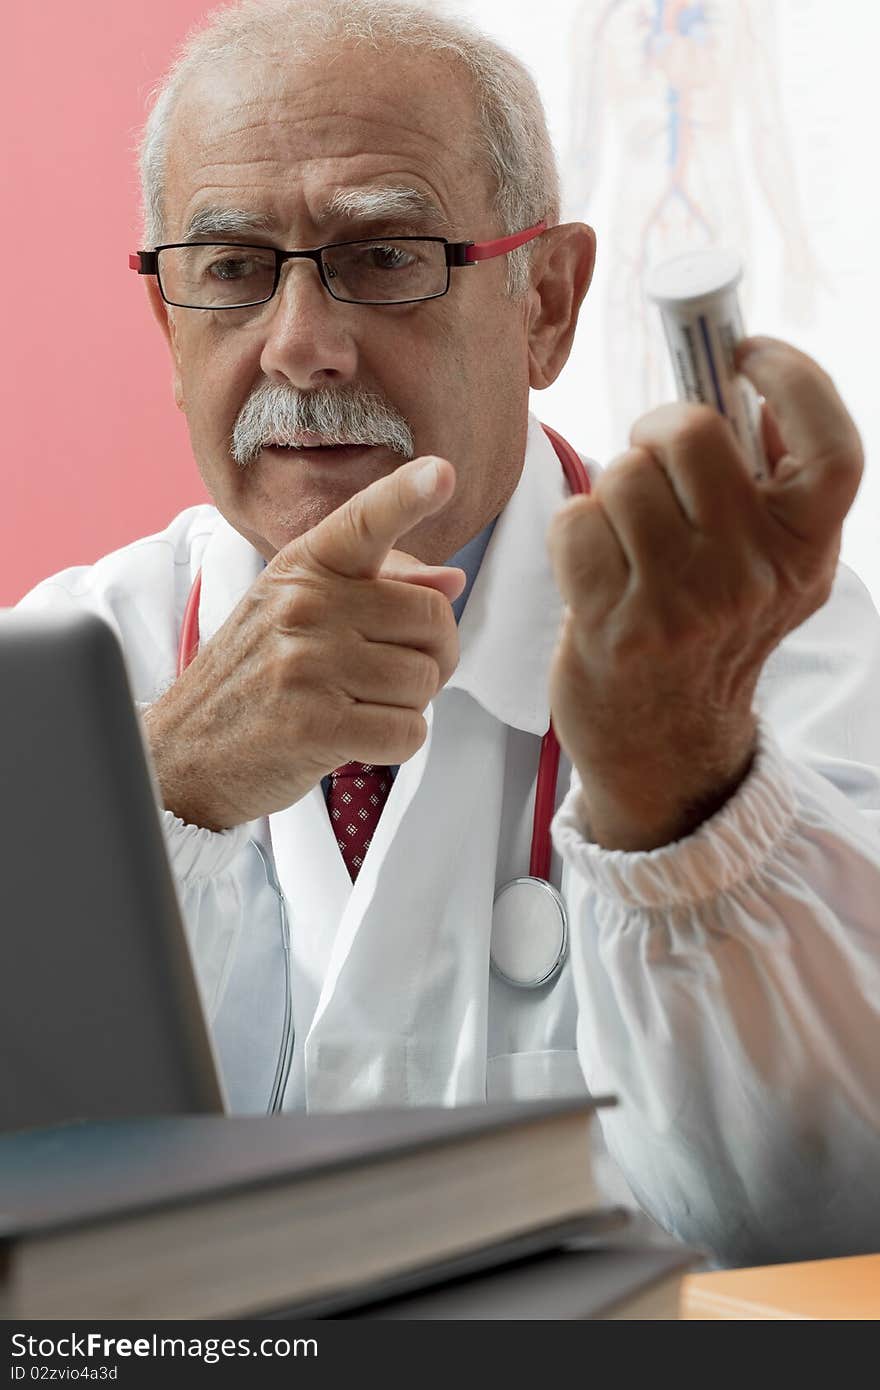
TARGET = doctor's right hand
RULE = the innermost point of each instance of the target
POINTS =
(332, 655)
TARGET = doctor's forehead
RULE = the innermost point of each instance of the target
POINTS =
(369, 118)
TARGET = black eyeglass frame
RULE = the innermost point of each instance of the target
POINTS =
(458, 253)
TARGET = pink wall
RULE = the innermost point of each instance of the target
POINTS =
(94, 450)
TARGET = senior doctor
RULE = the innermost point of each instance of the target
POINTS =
(376, 476)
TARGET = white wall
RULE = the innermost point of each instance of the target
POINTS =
(828, 119)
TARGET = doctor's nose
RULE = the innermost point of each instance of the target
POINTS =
(309, 341)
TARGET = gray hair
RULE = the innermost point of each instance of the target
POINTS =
(516, 148)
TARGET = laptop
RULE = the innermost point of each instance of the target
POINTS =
(100, 1013)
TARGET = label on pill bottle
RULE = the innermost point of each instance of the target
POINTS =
(702, 322)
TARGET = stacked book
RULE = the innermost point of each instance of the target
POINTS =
(490, 1210)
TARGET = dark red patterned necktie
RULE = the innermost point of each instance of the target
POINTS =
(358, 791)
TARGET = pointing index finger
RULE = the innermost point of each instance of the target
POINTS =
(355, 539)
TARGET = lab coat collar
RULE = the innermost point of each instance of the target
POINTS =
(230, 565)
(510, 626)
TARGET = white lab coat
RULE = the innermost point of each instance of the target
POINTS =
(726, 988)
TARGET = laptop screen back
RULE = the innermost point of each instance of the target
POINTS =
(100, 1015)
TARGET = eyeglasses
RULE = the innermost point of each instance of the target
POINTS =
(382, 270)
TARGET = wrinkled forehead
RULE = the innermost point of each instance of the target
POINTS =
(344, 109)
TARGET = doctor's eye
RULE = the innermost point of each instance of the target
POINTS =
(389, 257)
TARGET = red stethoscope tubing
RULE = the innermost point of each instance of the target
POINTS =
(189, 628)
(548, 765)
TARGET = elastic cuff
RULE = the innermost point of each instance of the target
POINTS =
(194, 851)
(722, 852)
(199, 853)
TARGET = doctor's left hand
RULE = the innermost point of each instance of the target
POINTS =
(681, 574)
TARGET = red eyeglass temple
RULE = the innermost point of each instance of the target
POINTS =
(485, 250)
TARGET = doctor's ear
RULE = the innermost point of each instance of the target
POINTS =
(166, 322)
(561, 271)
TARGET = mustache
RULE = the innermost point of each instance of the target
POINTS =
(340, 415)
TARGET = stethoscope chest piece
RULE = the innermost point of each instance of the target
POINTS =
(529, 933)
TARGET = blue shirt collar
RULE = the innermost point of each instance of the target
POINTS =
(469, 559)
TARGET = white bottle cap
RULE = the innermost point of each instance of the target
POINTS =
(695, 276)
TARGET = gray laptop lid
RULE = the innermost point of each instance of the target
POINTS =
(100, 1016)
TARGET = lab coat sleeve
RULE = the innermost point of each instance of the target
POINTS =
(219, 887)
(209, 888)
(728, 984)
